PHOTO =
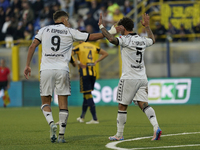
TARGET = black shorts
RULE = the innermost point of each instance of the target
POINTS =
(3, 85)
(87, 83)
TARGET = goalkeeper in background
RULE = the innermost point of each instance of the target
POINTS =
(86, 63)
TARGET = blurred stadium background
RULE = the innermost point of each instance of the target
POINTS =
(172, 64)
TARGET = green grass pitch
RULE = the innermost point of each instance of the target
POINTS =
(26, 128)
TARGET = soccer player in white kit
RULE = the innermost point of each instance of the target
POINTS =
(57, 43)
(133, 84)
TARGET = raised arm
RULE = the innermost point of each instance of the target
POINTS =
(145, 23)
(109, 36)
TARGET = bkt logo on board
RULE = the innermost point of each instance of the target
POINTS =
(169, 90)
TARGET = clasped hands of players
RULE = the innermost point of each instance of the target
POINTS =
(116, 29)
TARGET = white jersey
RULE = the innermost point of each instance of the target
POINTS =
(132, 54)
(57, 43)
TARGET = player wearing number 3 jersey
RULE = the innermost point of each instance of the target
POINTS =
(56, 43)
(133, 84)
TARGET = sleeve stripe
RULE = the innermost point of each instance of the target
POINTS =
(87, 37)
(38, 40)
(75, 50)
(98, 50)
(117, 42)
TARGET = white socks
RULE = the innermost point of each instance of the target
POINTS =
(63, 116)
(150, 113)
(47, 115)
(121, 120)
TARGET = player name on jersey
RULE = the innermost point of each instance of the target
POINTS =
(58, 31)
(88, 47)
(138, 43)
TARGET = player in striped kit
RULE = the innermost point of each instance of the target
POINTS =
(87, 70)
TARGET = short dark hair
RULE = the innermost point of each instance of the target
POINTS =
(59, 14)
(127, 23)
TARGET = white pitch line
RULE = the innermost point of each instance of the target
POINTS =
(112, 145)
(192, 145)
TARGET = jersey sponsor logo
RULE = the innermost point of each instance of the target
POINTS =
(54, 55)
(90, 64)
(169, 90)
(138, 67)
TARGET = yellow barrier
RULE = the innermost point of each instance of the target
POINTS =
(39, 59)
(15, 63)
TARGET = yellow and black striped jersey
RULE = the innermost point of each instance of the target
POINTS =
(86, 55)
(72, 60)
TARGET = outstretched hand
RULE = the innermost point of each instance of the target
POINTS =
(145, 20)
(27, 72)
(100, 19)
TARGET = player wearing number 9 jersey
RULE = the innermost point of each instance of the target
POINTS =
(56, 40)
(133, 84)
(86, 53)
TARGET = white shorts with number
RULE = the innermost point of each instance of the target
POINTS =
(54, 79)
(132, 90)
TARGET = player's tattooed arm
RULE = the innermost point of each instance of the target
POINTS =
(145, 23)
(109, 36)
(150, 33)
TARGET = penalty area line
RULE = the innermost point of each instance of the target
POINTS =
(112, 145)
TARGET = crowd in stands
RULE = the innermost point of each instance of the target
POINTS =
(21, 19)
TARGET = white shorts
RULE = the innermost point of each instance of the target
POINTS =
(54, 79)
(132, 90)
